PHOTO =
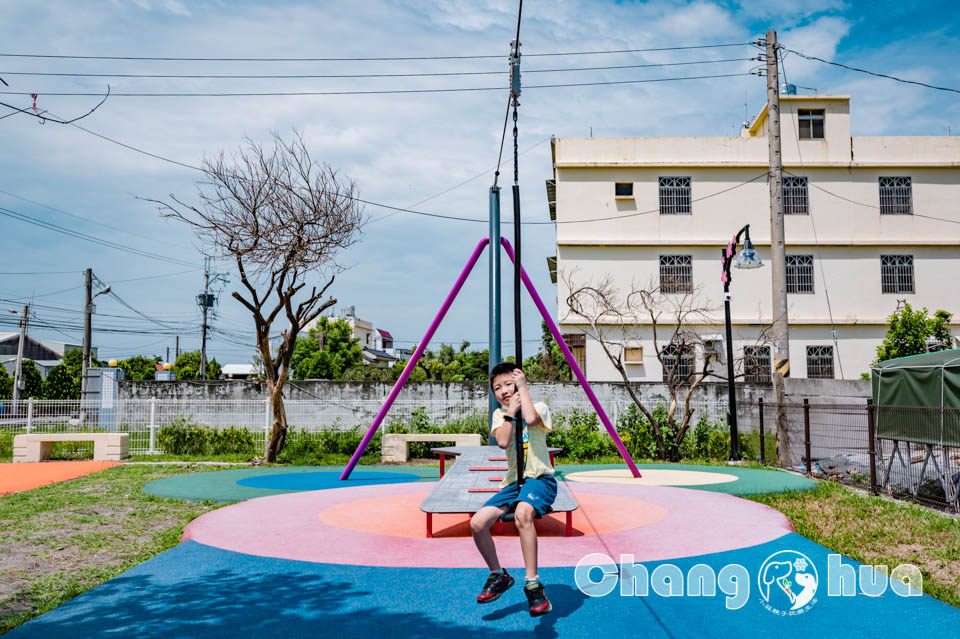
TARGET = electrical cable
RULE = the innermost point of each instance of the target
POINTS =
(86, 219)
(374, 92)
(874, 73)
(368, 59)
(89, 238)
(358, 75)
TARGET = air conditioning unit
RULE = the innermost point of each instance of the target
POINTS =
(713, 346)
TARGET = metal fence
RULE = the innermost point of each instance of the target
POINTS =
(910, 452)
(144, 418)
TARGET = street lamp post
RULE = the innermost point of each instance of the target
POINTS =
(748, 258)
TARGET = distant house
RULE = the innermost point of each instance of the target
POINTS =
(45, 355)
(377, 343)
(238, 371)
(9, 362)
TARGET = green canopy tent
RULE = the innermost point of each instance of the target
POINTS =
(918, 402)
(930, 380)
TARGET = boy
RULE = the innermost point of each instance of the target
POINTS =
(533, 500)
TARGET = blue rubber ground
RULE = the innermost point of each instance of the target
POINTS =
(198, 591)
(321, 481)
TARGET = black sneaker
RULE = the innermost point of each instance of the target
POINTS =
(496, 585)
(539, 605)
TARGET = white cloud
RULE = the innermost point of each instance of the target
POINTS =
(399, 148)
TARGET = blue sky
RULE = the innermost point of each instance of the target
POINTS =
(400, 149)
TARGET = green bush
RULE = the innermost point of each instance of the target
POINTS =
(6, 444)
(183, 436)
(305, 448)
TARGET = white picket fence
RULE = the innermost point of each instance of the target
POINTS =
(143, 418)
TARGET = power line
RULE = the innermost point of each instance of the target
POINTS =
(365, 59)
(89, 238)
(85, 219)
(375, 92)
(874, 73)
(308, 76)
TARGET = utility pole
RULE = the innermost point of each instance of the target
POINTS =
(177, 351)
(18, 372)
(781, 335)
(206, 302)
(87, 309)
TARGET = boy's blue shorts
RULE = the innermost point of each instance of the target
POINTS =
(540, 492)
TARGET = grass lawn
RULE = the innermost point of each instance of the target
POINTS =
(61, 540)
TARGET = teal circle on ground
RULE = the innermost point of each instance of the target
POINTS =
(750, 481)
(251, 482)
(226, 486)
(323, 480)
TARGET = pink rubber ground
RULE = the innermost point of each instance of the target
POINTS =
(354, 526)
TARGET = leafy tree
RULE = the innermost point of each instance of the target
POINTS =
(139, 367)
(188, 366)
(64, 380)
(549, 364)
(908, 330)
(6, 384)
(32, 380)
(326, 352)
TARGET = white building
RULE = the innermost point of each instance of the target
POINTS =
(870, 222)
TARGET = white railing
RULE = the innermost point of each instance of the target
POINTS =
(144, 418)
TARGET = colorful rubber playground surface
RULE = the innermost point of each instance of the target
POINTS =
(302, 554)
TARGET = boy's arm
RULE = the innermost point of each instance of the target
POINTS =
(529, 412)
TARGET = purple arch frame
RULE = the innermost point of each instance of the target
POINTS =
(421, 347)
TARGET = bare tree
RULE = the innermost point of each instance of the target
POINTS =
(615, 321)
(283, 218)
(619, 322)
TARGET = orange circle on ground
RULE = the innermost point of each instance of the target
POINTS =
(400, 516)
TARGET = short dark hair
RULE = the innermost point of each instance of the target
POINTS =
(500, 369)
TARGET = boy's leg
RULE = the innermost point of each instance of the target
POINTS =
(480, 527)
(523, 517)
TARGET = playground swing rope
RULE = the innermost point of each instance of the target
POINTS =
(519, 275)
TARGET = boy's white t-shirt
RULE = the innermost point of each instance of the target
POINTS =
(535, 453)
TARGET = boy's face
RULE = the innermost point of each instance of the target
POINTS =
(504, 388)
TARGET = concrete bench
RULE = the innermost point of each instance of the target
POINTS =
(395, 447)
(36, 446)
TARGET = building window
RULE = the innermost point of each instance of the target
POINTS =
(896, 196)
(820, 362)
(675, 196)
(678, 363)
(756, 364)
(896, 273)
(623, 189)
(799, 273)
(796, 200)
(811, 123)
(676, 273)
(577, 343)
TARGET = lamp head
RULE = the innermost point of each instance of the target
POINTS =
(748, 257)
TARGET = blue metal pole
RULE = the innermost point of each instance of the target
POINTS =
(494, 306)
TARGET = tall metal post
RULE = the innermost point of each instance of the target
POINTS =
(205, 305)
(87, 333)
(494, 292)
(731, 390)
(517, 264)
(781, 337)
(18, 371)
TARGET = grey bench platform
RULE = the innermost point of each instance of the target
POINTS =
(473, 478)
